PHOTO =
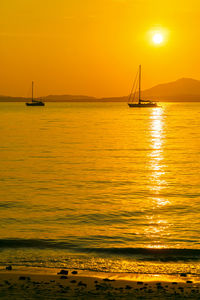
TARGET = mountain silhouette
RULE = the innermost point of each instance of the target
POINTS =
(184, 89)
(68, 98)
(181, 90)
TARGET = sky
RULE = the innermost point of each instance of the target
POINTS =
(94, 47)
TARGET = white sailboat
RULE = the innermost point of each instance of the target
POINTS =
(140, 103)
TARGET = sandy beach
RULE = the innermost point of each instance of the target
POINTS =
(45, 284)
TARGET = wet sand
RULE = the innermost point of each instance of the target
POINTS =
(16, 285)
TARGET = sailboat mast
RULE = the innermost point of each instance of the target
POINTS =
(32, 90)
(139, 81)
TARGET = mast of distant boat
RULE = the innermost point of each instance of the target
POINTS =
(32, 90)
(139, 82)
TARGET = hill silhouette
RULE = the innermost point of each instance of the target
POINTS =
(184, 89)
(181, 90)
(69, 98)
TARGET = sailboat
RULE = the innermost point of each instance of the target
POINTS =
(34, 102)
(140, 103)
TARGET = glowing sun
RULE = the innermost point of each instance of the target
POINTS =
(157, 38)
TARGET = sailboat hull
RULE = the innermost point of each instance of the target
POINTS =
(35, 104)
(142, 105)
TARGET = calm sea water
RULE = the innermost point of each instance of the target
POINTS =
(99, 186)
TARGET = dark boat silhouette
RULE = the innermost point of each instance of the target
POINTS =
(34, 102)
(140, 103)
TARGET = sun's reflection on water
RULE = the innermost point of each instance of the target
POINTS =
(156, 165)
(157, 224)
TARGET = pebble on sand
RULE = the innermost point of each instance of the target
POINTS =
(128, 287)
(82, 284)
(24, 278)
(63, 272)
(73, 281)
(107, 279)
(63, 277)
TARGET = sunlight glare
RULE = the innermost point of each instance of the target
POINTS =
(157, 38)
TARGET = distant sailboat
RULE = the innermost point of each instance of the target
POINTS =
(140, 103)
(34, 102)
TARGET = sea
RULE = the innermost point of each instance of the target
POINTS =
(100, 187)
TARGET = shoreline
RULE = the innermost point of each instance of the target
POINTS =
(99, 101)
(41, 283)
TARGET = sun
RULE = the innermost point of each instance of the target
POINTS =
(157, 38)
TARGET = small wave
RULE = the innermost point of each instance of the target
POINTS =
(35, 243)
(143, 254)
(152, 254)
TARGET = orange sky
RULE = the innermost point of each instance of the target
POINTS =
(94, 47)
